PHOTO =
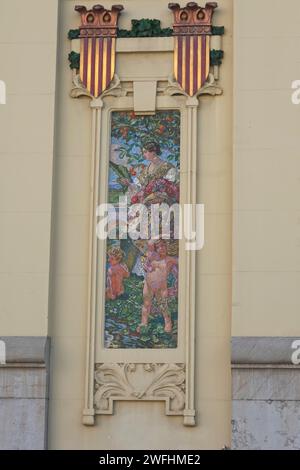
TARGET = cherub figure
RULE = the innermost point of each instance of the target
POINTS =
(158, 267)
(150, 256)
(116, 273)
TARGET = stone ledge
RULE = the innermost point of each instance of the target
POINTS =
(160, 44)
(262, 350)
(127, 45)
(27, 349)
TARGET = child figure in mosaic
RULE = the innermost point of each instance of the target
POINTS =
(116, 273)
(157, 269)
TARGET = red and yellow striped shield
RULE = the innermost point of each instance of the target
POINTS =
(97, 63)
(98, 33)
(191, 62)
(192, 29)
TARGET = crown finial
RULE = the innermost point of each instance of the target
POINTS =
(98, 21)
(192, 19)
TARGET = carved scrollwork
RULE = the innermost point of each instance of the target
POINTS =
(79, 89)
(210, 87)
(142, 382)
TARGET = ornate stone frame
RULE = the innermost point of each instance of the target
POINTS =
(140, 375)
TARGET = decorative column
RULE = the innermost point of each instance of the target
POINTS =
(89, 411)
(189, 411)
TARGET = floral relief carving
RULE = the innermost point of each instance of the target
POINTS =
(141, 382)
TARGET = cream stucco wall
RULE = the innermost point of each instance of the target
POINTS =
(266, 185)
(139, 425)
(28, 42)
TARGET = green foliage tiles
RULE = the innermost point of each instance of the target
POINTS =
(216, 57)
(145, 28)
(74, 59)
(218, 30)
(73, 34)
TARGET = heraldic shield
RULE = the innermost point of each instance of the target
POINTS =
(98, 33)
(192, 29)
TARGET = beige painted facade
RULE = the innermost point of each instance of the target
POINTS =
(266, 170)
(247, 177)
(28, 67)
